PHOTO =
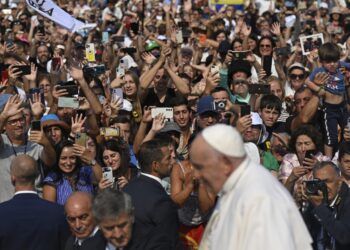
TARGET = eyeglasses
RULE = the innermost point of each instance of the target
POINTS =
(297, 76)
(265, 45)
(236, 82)
(15, 121)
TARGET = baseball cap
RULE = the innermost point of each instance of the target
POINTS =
(170, 126)
(296, 66)
(206, 105)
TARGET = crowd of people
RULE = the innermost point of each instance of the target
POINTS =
(175, 125)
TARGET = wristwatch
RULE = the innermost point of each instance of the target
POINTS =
(93, 162)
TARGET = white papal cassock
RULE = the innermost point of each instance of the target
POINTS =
(255, 212)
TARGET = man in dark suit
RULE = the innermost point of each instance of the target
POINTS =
(329, 217)
(26, 221)
(156, 221)
(86, 235)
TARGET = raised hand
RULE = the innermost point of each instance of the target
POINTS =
(76, 73)
(246, 30)
(57, 93)
(77, 124)
(147, 116)
(83, 153)
(12, 106)
(276, 29)
(158, 123)
(116, 103)
(321, 78)
(148, 57)
(36, 105)
(33, 73)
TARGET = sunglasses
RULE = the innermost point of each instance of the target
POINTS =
(240, 82)
(296, 76)
(265, 45)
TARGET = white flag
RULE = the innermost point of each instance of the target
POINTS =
(49, 9)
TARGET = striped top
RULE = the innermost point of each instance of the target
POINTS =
(63, 186)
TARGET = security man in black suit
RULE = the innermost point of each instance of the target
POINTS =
(329, 217)
(86, 234)
(27, 221)
(156, 222)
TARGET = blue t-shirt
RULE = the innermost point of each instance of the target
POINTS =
(335, 83)
(64, 188)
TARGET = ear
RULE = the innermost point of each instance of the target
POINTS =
(155, 166)
(227, 166)
(13, 180)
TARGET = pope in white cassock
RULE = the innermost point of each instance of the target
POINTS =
(254, 210)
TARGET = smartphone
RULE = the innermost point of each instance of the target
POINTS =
(183, 24)
(120, 72)
(214, 69)
(40, 91)
(95, 71)
(36, 126)
(110, 132)
(179, 37)
(130, 50)
(9, 42)
(25, 69)
(311, 23)
(107, 173)
(264, 89)
(71, 89)
(284, 51)
(167, 112)
(56, 61)
(81, 139)
(118, 39)
(117, 92)
(245, 110)
(348, 123)
(310, 153)
(4, 75)
(68, 102)
(105, 37)
(267, 63)
(90, 52)
(239, 55)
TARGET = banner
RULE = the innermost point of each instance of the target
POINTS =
(50, 10)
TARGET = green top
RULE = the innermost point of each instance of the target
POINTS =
(269, 161)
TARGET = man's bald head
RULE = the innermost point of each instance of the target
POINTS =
(24, 170)
(78, 210)
(79, 199)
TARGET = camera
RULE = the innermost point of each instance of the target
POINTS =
(315, 185)
(220, 105)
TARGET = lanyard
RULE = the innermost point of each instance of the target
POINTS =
(13, 148)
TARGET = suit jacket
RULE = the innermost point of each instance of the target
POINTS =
(29, 222)
(336, 221)
(156, 222)
(97, 242)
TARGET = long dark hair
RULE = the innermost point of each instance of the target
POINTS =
(57, 170)
(118, 145)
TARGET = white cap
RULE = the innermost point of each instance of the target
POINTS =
(225, 139)
(256, 120)
(324, 5)
(13, 6)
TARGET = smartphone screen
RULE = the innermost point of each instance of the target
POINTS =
(267, 63)
(36, 125)
(245, 110)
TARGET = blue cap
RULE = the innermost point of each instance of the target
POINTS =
(53, 120)
(289, 4)
(205, 105)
